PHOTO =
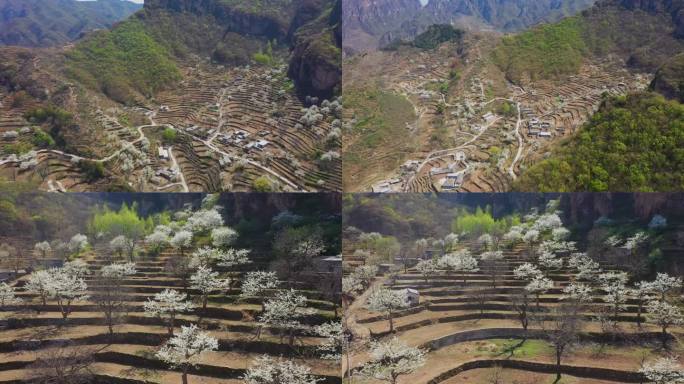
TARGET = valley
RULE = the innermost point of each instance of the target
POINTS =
(486, 107)
(158, 122)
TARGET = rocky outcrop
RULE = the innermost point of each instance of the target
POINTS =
(269, 23)
(669, 80)
(316, 62)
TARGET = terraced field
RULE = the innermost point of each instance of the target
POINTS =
(220, 129)
(33, 331)
(474, 130)
(471, 331)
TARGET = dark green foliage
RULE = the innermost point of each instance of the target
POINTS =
(634, 143)
(436, 35)
(547, 51)
(123, 61)
(55, 119)
(91, 170)
(42, 139)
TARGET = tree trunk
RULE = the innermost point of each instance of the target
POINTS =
(185, 374)
(639, 309)
(664, 337)
(391, 321)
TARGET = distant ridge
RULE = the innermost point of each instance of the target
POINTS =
(46, 23)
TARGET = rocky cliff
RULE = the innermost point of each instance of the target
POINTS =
(231, 32)
(315, 65)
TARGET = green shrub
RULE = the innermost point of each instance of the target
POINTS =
(262, 184)
(92, 170)
(169, 135)
(42, 139)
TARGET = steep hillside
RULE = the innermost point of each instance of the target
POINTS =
(369, 24)
(43, 23)
(633, 143)
(240, 93)
(643, 34)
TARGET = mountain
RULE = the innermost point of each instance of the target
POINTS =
(230, 33)
(369, 24)
(44, 23)
(633, 142)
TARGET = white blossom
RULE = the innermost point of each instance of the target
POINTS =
(223, 236)
(527, 272)
(203, 220)
(577, 292)
(43, 247)
(187, 347)
(77, 243)
(333, 334)
(166, 305)
(118, 271)
(391, 359)
(665, 370)
(254, 283)
(266, 370)
(7, 296)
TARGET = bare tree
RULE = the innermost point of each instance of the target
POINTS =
(562, 330)
(63, 363)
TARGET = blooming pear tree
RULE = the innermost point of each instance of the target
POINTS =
(255, 284)
(38, 284)
(7, 296)
(43, 248)
(166, 305)
(267, 370)
(392, 359)
(207, 281)
(181, 240)
(491, 263)
(157, 239)
(118, 245)
(109, 297)
(78, 268)
(426, 268)
(366, 274)
(486, 241)
(537, 286)
(204, 220)
(643, 293)
(122, 244)
(614, 286)
(351, 285)
(77, 243)
(665, 370)
(333, 340)
(186, 349)
(66, 288)
(387, 301)
(223, 236)
(664, 284)
(550, 262)
(285, 311)
(665, 316)
(527, 272)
